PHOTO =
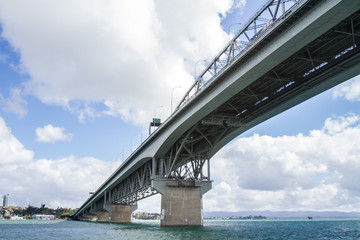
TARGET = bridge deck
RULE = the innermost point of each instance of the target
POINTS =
(310, 49)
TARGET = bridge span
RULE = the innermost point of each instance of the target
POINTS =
(290, 51)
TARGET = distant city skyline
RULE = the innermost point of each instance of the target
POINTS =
(5, 200)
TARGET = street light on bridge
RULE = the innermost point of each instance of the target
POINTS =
(230, 27)
(172, 97)
(195, 67)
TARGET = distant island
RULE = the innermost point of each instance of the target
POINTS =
(250, 217)
(283, 214)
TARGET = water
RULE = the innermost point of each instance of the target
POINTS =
(213, 229)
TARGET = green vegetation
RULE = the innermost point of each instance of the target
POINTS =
(146, 216)
(29, 211)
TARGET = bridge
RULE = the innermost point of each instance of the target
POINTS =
(290, 51)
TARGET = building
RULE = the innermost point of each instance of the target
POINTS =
(6, 200)
(43, 217)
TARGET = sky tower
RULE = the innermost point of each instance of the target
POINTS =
(6, 200)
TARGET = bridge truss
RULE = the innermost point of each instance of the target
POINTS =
(271, 14)
(188, 158)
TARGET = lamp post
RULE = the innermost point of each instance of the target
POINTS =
(230, 27)
(131, 146)
(172, 90)
(132, 140)
(195, 67)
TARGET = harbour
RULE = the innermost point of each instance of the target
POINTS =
(212, 229)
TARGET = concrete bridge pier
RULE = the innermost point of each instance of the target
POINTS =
(181, 201)
(103, 215)
(115, 213)
(121, 213)
(89, 217)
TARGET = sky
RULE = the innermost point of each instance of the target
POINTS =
(80, 81)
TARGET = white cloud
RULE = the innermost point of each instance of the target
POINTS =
(11, 150)
(50, 133)
(15, 103)
(239, 3)
(318, 171)
(350, 90)
(61, 182)
(18, 68)
(124, 54)
(3, 58)
(333, 126)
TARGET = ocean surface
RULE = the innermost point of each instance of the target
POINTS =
(212, 229)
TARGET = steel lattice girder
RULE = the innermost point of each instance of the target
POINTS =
(299, 72)
(243, 41)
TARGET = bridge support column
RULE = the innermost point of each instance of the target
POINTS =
(91, 217)
(121, 213)
(181, 202)
(103, 216)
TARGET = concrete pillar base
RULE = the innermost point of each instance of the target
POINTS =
(121, 213)
(90, 217)
(181, 205)
(103, 216)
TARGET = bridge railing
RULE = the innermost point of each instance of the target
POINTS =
(264, 20)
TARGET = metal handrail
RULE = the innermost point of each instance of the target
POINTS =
(264, 19)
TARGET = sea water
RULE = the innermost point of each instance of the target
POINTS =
(212, 229)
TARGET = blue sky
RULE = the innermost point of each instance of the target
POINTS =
(79, 85)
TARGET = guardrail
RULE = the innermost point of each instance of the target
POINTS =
(264, 20)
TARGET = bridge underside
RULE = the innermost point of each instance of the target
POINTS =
(309, 71)
(319, 65)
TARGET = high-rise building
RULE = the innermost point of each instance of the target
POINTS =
(6, 200)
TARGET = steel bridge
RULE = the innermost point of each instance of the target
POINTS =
(290, 51)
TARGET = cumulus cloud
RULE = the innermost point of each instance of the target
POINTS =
(51, 134)
(58, 182)
(333, 126)
(11, 149)
(318, 171)
(15, 103)
(3, 58)
(350, 90)
(125, 55)
(238, 5)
